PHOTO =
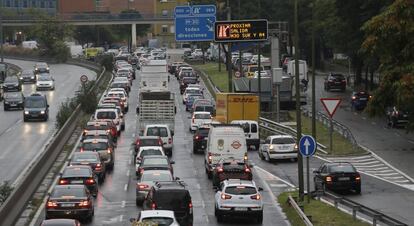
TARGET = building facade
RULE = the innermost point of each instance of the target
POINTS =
(49, 6)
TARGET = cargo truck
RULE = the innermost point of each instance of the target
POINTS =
(154, 75)
(236, 106)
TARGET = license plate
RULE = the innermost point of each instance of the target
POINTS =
(363, 98)
(67, 205)
(202, 146)
(240, 208)
(68, 212)
(76, 182)
(13, 105)
(284, 147)
(337, 83)
(205, 138)
(343, 178)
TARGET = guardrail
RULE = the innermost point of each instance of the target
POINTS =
(356, 207)
(11, 209)
(299, 211)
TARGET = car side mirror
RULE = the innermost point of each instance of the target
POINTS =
(172, 162)
(260, 189)
(176, 178)
(316, 171)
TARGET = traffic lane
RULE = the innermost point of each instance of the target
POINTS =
(21, 141)
(386, 197)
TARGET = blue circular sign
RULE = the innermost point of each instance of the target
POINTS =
(307, 145)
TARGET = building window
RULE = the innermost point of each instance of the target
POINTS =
(8, 4)
(164, 12)
(16, 3)
(33, 4)
(42, 4)
(164, 29)
(25, 4)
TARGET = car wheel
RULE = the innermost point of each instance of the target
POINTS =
(139, 202)
(259, 218)
(122, 127)
(218, 215)
(358, 189)
(6, 108)
(194, 149)
(267, 157)
(261, 155)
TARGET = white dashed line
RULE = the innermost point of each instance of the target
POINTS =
(411, 141)
(125, 187)
(364, 118)
(121, 218)
(128, 173)
(129, 161)
(278, 185)
(123, 203)
(396, 134)
(373, 123)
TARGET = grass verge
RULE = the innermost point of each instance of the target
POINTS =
(322, 214)
(220, 79)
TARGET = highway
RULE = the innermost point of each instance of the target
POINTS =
(22, 141)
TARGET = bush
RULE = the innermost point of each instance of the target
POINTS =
(5, 191)
(107, 61)
(65, 111)
(87, 97)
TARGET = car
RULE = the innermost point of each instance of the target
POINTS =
(156, 217)
(359, 100)
(12, 83)
(397, 117)
(114, 100)
(185, 81)
(200, 118)
(203, 105)
(147, 180)
(154, 162)
(109, 126)
(279, 147)
(337, 176)
(251, 130)
(122, 95)
(103, 147)
(171, 195)
(91, 159)
(109, 115)
(231, 169)
(45, 81)
(60, 222)
(36, 107)
(200, 138)
(335, 81)
(147, 150)
(28, 76)
(80, 175)
(238, 198)
(70, 201)
(122, 85)
(164, 132)
(98, 134)
(41, 68)
(143, 141)
(114, 106)
(179, 67)
(13, 100)
(191, 91)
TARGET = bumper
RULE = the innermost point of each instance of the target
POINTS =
(248, 211)
(336, 86)
(338, 186)
(255, 142)
(28, 80)
(35, 116)
(69, 213)
(13, 105)
(44, 87)
(200, 144)
(283, 155)
(140, 195)
(168, 150)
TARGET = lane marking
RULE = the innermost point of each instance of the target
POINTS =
(411, 141)
(121, 218)
(123, 204)
(373, 123)
(396, 134)
(128, 173)
(125, 187)
(278, 185)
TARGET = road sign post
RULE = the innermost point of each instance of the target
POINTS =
(330, 105)
(307, 147)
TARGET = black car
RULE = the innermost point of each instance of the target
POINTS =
(35, 107)
(335, 81)
(41, 68)
(70, 201)
(200, 139)
(359, 100)
(12, 83)
(80, 175)
(28, 76)
(155, 162)
(13, 100)
(91, 159)
(231, 169)
(143, 141)
(337, 176)
(397, 117)
(185, 81)
(171, 195)
(60, 222)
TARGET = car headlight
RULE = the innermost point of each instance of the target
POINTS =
(21, 78)
(32, 77)
(42, 112)
(26, 112)
(6, 102)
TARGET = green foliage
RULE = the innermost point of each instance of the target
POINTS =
(5, 191)
(87, 97)
(106, 61)
(65, 111)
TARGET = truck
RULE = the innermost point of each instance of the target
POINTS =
(236, 106)
(154, 75)
(156, 107)
(175, 55)
(303, 78)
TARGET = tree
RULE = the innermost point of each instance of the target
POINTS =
(389, 36)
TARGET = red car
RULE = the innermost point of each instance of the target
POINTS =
(231, 169)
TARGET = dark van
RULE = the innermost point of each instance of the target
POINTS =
(36, 107)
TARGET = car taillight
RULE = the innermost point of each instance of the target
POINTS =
(193, 119)
(160, 142)
(255, 197)
(247, 170)
(210, 158)
(197, 137)
(353, 97)
(98, 166)
(245, 157)
(81, 149)
(225, 196)
(153, 206)
(220, 169)
(142, 186)
(84, 203)
(109, 151)
(63, 181)
(141, 171)
(169, 140)
(328, 179)
(90, 181)
(343, 81)
(51, 204)
(108, 130)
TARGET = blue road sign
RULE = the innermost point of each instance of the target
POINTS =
(198, 25)
(307, 145)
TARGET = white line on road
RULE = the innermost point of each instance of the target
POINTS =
(411, 141)
(129, 161)
(128, 173)
(373, 123)
(386, 174)
(121, 218)
(396, 134)
(125, 187)
(368, 166)
(123, 203)
(278, 185)
(364, 118)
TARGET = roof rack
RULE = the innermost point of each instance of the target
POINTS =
(158, 184)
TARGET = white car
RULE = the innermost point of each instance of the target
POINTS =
(237, 197)
(45, 81)
(120, 94)
(279, 147)
(147, 150)
(158, 217)
(191, 90)
(200, 118)
(109, 114)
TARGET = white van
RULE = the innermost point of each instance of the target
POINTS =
(224, 141)
(251, 130)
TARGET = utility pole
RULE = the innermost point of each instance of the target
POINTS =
(228, 59)
(1, 32)
(313, 96)
(298, 113)
(259, 76)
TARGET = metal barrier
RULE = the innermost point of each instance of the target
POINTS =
(299, 211)
(356, 207)
(11, 209)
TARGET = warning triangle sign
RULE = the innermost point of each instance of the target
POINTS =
(330, 105)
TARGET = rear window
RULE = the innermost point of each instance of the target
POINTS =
(189, 80)
(188, 91)
(150, 152)
(240, 190)
(203, 131)
(156, 176)
(155, 161)
(105, 115)
(285, 140)
(338, 76)
(202, 116)
(77, 172)
(157, 131)
(172, 199)
(72, 191)
(100, 136)
(149, 142)
(253, 128)
(160, 221)
(85, 157)
(95, 146)
(341, 169)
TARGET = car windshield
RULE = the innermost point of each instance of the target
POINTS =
(155, 161)
(68, 192)
(77, 172)
(12, 95)
(157, 131)
(95, 146)
(106, 115)
(159, 221)
(341, 169)
(34, 103)
(84, 157)
(11, 79)
(285, 140)
(172, 199)
(337, 76)
(205, 108)
(202, 116)
(240, 190)
(27, 73)
(44, 78)
(189, 80)
(96, 136)
(150, 152)
(195, 91)
(156, 176)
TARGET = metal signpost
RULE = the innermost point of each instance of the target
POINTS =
(330, 105)
(277, 74)
(194, 23)
(307, 147)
